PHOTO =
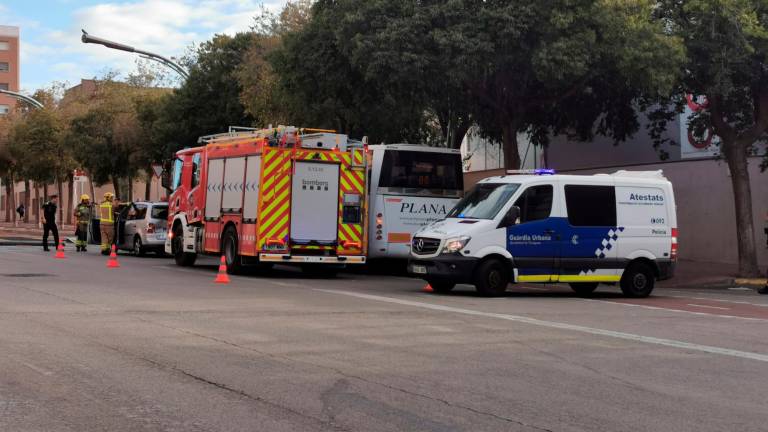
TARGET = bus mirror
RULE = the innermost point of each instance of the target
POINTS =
(165, 177)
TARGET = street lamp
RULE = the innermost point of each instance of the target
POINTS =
(86, 38)
(22, 97)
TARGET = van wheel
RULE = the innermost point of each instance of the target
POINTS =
(638, 280)
(441, 286)
(182, 258)
(491, 278)
(583, 288)
(138, 248)
(229, 249)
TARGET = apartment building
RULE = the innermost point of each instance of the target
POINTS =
(9, 65)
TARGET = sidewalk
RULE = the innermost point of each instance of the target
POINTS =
(29, 234)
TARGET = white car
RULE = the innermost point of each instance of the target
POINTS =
(142, 227)
(582, 230)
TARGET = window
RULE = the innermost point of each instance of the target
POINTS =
(195, 170)
(5, 67)
(178, 165)
(535, 203)
(3, 86)
(422, 171)
(4, 109)
(4, 46)
(484, 201)
(159, 212)
(591, 205)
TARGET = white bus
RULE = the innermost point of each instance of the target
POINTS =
(411, 186)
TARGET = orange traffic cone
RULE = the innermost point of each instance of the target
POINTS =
(427, 289)
(222, 277)
(112, 262)
(60, 250)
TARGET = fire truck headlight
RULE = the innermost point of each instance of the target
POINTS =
(455, 244)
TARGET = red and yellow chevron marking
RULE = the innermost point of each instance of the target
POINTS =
(275, 199)
(352, 181)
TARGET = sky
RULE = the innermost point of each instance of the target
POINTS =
(51, 49)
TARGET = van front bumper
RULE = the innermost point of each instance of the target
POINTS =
(450, 267)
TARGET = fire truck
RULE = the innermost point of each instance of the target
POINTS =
(275, 195)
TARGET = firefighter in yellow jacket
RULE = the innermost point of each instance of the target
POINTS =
(107, 210)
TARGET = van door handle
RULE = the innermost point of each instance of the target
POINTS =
(549, 231)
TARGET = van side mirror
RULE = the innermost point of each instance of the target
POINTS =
(510, 219)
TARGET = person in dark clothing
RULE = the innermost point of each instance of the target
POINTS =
(20, 210)
(49, 221)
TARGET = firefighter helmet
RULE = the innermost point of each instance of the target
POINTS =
(109, 196)
(85, 197)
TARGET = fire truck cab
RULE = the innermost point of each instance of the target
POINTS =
(276, 195)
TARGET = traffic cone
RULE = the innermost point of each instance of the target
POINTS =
(427, 289)
(222, 277)
(60, 250)
(112, 262)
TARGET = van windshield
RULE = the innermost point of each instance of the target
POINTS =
(421, 173)
(484, 201)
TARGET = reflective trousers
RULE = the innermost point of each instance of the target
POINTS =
(82, 235)
(107, 236)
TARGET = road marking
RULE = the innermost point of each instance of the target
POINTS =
(740, 289)
(709, 307)
(669, 309)
(39, 370)
(562, 326)
(720, 300)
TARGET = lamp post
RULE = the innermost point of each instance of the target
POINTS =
(87, 38)
(22, 97)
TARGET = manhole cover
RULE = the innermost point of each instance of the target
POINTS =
(26, 275)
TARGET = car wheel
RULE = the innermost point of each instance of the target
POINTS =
(491, 278)
(182, 258)
(583, 288)
(638, 280)
(229, 248)
(138, 247)
(441, 286)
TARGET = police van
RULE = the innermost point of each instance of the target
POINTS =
(542, 227)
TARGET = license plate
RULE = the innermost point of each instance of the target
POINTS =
(160, 236)
(419, 269)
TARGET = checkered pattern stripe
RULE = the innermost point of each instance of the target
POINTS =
(608, 242)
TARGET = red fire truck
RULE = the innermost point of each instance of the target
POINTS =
(276, 195)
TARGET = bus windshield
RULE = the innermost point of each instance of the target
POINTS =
(484, 201)
(417, 172)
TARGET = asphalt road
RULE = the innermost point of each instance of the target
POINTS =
(153, 347)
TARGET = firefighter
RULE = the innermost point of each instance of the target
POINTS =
(107, 210)
(82, 218)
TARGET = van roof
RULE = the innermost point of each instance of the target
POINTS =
(650, 177)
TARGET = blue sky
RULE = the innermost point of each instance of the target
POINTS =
(50, 32)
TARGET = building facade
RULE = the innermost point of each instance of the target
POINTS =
(9, 66)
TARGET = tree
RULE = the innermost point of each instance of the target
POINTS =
(727, 47)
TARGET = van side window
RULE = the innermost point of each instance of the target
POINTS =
(535, 203)
(591, 205)
(195, 170)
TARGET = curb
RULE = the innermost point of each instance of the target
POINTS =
(759, 282)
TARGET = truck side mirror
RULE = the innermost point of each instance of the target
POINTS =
(165, 177)
(510, 219)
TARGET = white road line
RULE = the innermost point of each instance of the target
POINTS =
(562, 326)
(708, 314)
(708, 307)
(719, 300)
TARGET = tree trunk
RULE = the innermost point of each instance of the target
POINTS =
(13, 200)
(511, 152)
(459, 133)
(116, 185)
(94, 199)
(130, 188)
(8, 199)
(148, 186)
(27, 198)
(37, 207)
(45, 192)
(60, 191)
(71, 197)
(736, 156)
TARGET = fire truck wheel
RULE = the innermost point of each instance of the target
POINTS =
(229, 248)
(182, 258)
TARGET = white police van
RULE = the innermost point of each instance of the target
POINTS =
(582, 230)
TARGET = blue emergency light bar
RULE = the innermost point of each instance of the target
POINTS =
(544, 171)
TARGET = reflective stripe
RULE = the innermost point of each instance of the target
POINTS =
(568, 278)
(105, 212)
